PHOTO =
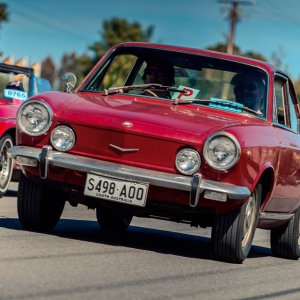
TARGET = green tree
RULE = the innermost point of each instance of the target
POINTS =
(254, 55)
(84, 64)
(48, 70)
(118, 30)
(277, 59)
(4, 15)
(221, 47)
(114, 31)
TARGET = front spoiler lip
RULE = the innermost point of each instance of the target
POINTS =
(156, 178)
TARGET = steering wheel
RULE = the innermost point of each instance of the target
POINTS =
(150, 93)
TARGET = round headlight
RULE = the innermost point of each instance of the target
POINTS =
(188, 161)
(63, 138)
(34, 117)
(222, 151)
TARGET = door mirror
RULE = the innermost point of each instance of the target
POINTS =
(70, 81)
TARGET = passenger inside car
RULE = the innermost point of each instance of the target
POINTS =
(15, 85)
(249, 91)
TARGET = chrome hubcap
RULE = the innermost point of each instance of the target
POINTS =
(249, 219)
(6, 165)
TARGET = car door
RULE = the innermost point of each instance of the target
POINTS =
(286, 118)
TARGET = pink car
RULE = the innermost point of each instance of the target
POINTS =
(160, 131)
(17, 84)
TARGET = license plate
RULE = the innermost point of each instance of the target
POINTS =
(113, 189)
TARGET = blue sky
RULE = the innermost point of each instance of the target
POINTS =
(40, 28)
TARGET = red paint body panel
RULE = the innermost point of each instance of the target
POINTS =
(7, 116)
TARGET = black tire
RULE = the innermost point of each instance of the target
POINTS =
(109, 219)
(16, 175)
(39, 207)
(233, 233)
(7, 164)
(285, 240)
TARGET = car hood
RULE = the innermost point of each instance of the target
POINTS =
(144, 115)
(138, 131)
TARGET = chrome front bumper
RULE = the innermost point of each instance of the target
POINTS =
(195, 185)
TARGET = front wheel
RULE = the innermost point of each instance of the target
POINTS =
(112, 219)
(6, 164)
(285, 240)
(39, 207)
(233, 233)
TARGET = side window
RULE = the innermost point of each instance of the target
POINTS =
(114, 73)
(280, 112)
(118, 71)
(286, 110)
(293, 111)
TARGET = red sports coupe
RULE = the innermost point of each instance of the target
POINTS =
(169, 132)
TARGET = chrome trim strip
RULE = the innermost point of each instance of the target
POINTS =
(275, 216)
(124, 149)
(234, 192)
(32, 163)
(156, 178)
(7, 118)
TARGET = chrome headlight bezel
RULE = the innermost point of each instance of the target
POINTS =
(197, 163)
(71, 142)
(36, 102)
(221, 166)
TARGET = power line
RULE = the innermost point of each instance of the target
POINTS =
(279, 13)
(55, 27)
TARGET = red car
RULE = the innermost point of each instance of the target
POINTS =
(16, 85)
(169, 132)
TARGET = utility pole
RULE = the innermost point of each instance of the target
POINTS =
(234, 17)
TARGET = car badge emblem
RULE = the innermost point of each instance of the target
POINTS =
(123, 149)
(127, 124)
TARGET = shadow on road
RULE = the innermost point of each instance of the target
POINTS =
(149, 239)
(10, 223)
(11, 193)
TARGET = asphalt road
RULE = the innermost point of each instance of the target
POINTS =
(152, 260)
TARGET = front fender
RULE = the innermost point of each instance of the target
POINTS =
(7, 124)
(266, 176)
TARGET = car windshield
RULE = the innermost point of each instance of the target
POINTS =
(14, 86)
(181, 77)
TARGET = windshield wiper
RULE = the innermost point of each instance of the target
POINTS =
(233, 106)
(151, 86)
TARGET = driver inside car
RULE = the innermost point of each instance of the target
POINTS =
(159, 72)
